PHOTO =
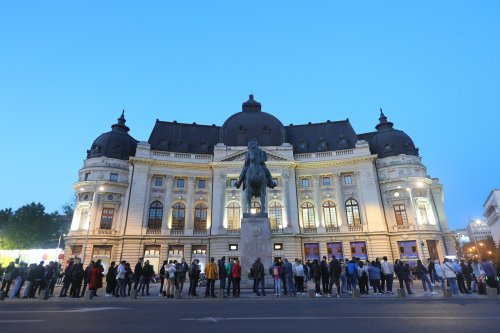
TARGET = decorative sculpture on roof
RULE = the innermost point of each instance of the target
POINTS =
(255, 176)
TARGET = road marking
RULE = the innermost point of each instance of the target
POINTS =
(64, 311)
(219, 319)
(21, 321)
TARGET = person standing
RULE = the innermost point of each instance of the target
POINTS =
(378, 264)
(467, 273)
(316, 276)
(229, 265)
(299, 276)
(439, 274)
(450, 276)
(211, 272)
(162, 278)
(95, 281)
(171, 278)
(335, 271)
(129, 276)
(344, 286)
(76, 280)
(352, 274)
(86, 277)
(181, 269)
(67, 279)
(388, 272)
(38, 275)
(277, 272)
(431, 270)
(194, 276)
(374, 274)
(111, 280)
(325, 276)
(120, 277)
(259, 274)
(147, 273)
(19, 276)
(288, 270)
(222, 273)
(363, 278)
(236, 276)
(460, 278)
(138, 272)
(422, 274)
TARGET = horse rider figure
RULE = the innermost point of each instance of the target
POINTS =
(261, 158)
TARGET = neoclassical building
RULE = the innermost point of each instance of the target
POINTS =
(339, 192)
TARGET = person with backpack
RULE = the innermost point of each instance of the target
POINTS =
(171, 278)
(450, 275)
(363, 278)
(277, 272)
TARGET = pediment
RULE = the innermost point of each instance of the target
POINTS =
(240, 156)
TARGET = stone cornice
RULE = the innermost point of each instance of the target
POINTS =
(172, 164)
(335, 163)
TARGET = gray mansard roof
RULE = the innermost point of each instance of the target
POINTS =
(250, 123)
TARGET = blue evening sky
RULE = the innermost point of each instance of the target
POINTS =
(68, 68)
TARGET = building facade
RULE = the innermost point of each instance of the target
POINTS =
(339, 192)
(492, 214)
(478, 230)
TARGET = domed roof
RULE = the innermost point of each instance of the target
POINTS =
(250, 123)
(114, 144)
(388, 141)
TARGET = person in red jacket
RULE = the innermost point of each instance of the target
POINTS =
(95, 281)
(236, 276)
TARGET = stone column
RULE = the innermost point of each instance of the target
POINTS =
(341, 213)
(286, 204)
(317, 200)
(189, 206)
(168, 202)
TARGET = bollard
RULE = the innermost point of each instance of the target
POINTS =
(87, 295)
(491, 292)
(133, 294)
(401, 293)
(2, 295)
(44, 295)
(356, 293)
(447, 293)
(311, 293)
(220, 294)
(177, 294)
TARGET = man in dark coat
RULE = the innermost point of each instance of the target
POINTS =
(335, 272)
(222, 273)
(316, 276)
(258, 273)
(138, 273)
(325, 276)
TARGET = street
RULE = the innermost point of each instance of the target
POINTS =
(249, 315)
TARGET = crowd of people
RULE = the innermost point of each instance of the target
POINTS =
(290, 278)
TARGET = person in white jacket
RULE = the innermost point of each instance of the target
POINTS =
(439, 273)
(450, 275)
(120, 276)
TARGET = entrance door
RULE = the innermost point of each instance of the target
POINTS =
(432, 247)
(152, 253)
(102, 252)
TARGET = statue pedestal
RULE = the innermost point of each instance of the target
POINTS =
(255, 243)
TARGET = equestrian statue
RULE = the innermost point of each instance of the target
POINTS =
(255, 176)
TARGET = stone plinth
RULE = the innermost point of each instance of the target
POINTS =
(255, 243)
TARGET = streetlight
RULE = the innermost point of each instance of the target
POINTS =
(476, 223)
(419, 184)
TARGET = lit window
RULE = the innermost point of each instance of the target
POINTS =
(178, 215)
(347, 180)
(200, 217)
(352, 210)
(330, 214)
(158, 181)
(326, 181)
(305, 182)
(155, 215)
(107, 218)
(202, 183)
(180, 183)
(255, 207)
(233, 216)
(113, 177)
(308, 215)
(275, 215)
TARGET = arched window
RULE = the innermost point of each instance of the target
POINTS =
(255, 207)
(308, 215)
(275, 215)
(352, 210)
(233, 216)
(200, 217)
(178, 216)
(155, 215)
(330, 214)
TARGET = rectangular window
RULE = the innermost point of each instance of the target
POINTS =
(278, 246)
(311, 251)
(76, 250)
(232, 182)
(347, 180)
(233, 247)
(87, 176)
(158, 181)
(422, 207)
(305, 182)
(202, 183)
(400, 213)
(180, 183)
(113, 177)
(326, 181)
(358, 249)
(107, 218)
(408, 250)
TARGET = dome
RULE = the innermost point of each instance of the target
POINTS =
(114, 144)
(388, 141)
(250, 123)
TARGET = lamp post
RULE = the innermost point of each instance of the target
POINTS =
(94, 202)
(416, 223)
(476, 223)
